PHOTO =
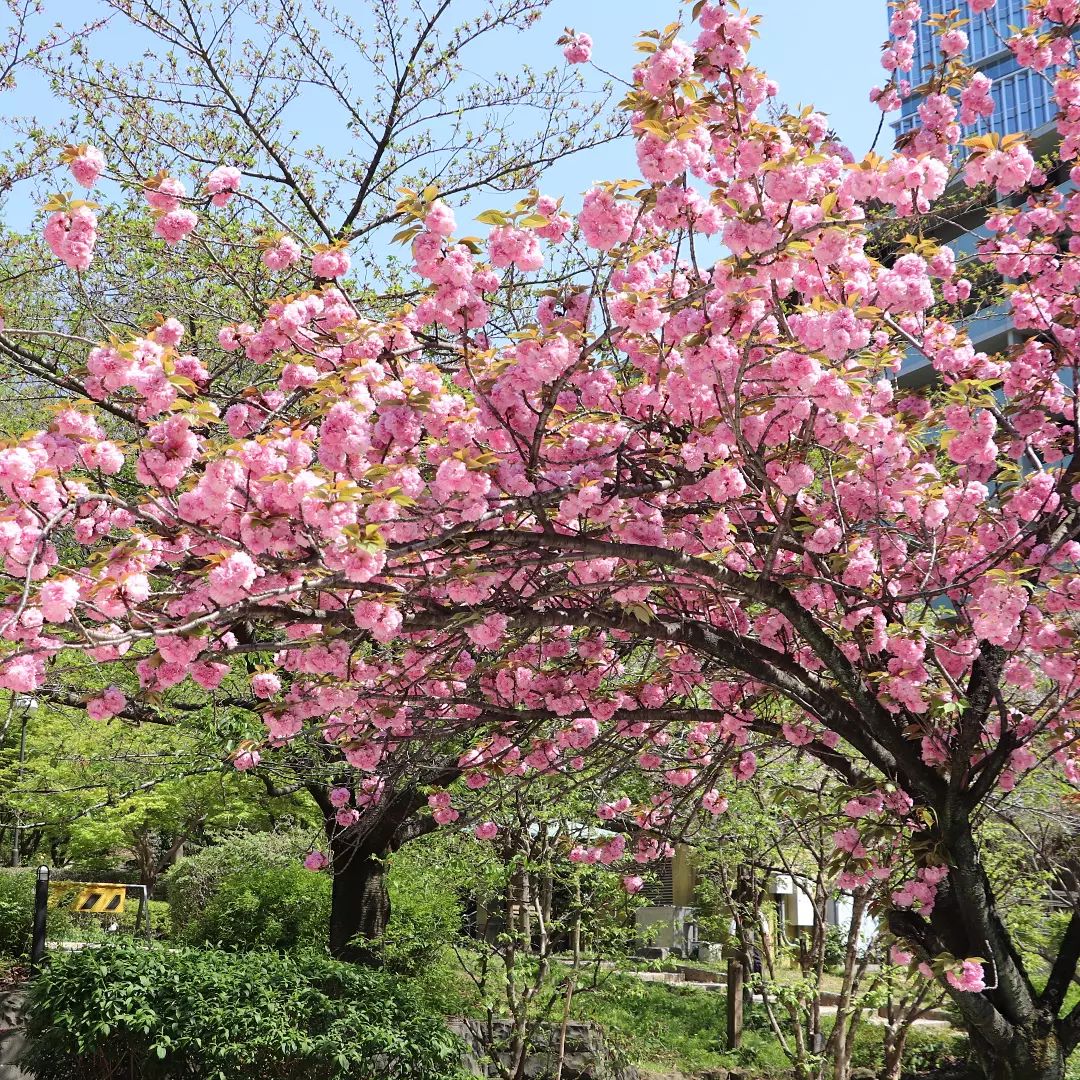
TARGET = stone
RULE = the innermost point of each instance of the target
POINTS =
(586, 1056)
(653, 952)
(12, 1040)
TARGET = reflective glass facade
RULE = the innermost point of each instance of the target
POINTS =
(1023, 98)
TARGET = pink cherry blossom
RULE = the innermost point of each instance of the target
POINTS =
(969, 978)
(222, 184)
(72, 236)
(109, 704)
(265, 685)
(282, 254)
(332, 263)
(86, 163)
(165, 194)
(577, 48)
(247, 760)
(173, 226)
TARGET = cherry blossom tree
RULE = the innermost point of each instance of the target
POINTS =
(671, 508)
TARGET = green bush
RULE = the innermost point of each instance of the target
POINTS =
(193, 881)
(426, 910)
(203, 1014)
(16, 912)
(935, 1050)
(835, 948)
(279, 907)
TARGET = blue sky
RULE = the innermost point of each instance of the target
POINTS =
(825, 54)
(820, 53)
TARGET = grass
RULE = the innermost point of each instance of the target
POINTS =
(665, 1029)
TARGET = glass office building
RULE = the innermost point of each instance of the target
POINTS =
(1023, 102)
(1024, 99)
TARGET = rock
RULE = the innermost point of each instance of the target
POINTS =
(12, 1040)
(651, 952)
(586, 1055)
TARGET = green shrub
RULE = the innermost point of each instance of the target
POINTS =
(79, 927)
(835, 948)
(16, 912)
(426, 909)
(935, 1050)
(203, 1014)
(278, 907)
(192, 882)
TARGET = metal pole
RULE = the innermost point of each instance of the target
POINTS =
(41, 911)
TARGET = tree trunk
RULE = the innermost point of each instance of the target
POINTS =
(359, 900)
(1035, 1053)
(359, 905)
(894, 1052)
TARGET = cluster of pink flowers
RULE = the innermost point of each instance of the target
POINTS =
(666, 67)
(953, 42)
(920, 892)
(265, 685)
(975, 99)
(164, 193)
(173, 226)
(86, 163)
(172, 221)
(281, 254)
(316, 860)
(969, 977)
(246, 760)
(330, 262)
(577, 48)
(107, 705)
(442, 810)
(1008, 169)
(997, 610)
(222, 184)
(71, 236)
(511, 246)
(605, 220)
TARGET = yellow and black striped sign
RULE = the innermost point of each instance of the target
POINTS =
(101, 899)
(91, 898)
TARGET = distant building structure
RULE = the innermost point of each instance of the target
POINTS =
(1023, 104)
(1023, 99)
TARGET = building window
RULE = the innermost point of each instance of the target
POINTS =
(661, 893)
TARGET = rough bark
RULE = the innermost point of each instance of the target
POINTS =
(1035, 1052)
(359, 906)
(360, 900)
